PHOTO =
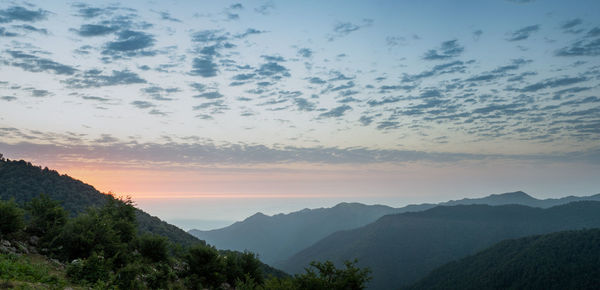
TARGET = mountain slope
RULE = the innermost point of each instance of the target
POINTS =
(402, 248)
(563, 260)
(23, 181)
(277, 237)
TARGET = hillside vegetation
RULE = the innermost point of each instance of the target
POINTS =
(563, 260)
(22, 181)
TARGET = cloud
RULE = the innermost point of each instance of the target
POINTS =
(89, 30)
(316, 81)
(523, 33)
(142, 104)
(94, 98)
(18, 13)
(6, 33)
(167, 16)
(32, 63)
(158, 93)
(305, 52)
(39, 93)
(88, 12)
(265, 9)
(273, 70)
(365, 120)
(248, 32)
(385, 125)
(336, 112)
(205, 36)
(589, 45)
(8, 98)
(204, 67)
(30, 28)
(477, 34)
(209, 95)
(446, 68)
(570, 26)
(94, 78)
(342, 29)
(447, 49)
(553, 83)
(383, 101)
(303, 104)
(130, 43)
(216, 107)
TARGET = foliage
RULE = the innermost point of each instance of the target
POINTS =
(46, 218)
(562, 260)
(21, 268)
(154, 247)
(327, 276)
(205, 267)
(11, 217)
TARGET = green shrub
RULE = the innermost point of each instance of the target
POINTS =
(11, 217)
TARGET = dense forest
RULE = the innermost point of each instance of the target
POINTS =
(563, 260)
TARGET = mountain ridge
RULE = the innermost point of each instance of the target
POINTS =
(250, 233)
(401, 248)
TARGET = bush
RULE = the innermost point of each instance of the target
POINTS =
(91, 270)
(46, 218)
(11, 217)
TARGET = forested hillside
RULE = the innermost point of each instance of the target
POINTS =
(23, 181)
(563, 260)
(403, 248)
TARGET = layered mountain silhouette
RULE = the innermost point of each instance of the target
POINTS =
(402, 248)
(278, 237)
(563, 260)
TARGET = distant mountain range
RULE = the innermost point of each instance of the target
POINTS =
(563, 260)
(278, 237)
(402, 248)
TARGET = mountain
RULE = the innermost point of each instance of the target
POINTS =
(277, 237)
(521, 198)
(403, 248)
(563, 260)
(23, 181)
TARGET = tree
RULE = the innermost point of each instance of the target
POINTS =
(11, 217)
(46, 218)
(154, 247)
(328, 276)
(205, 267)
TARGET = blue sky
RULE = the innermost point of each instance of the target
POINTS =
(261, 86)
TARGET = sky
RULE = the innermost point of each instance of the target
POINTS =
(206, 112)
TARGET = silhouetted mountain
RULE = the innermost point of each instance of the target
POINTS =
(277, 237)
(563, 260)
(23, 181)
(402, 248)
(521, 198)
